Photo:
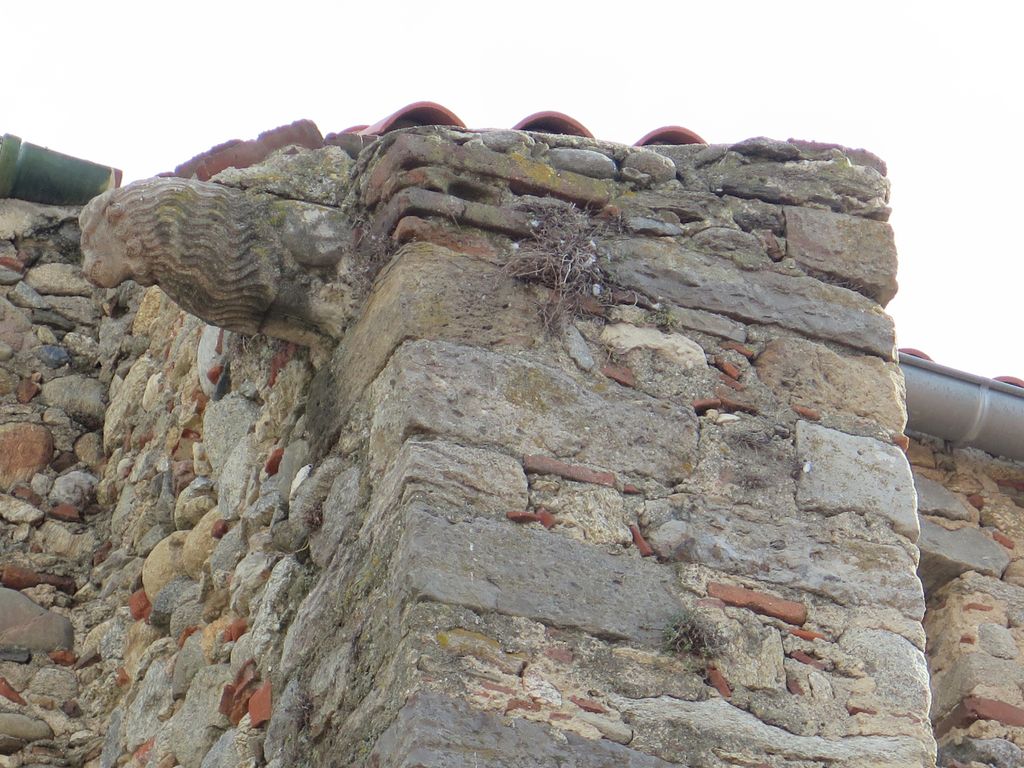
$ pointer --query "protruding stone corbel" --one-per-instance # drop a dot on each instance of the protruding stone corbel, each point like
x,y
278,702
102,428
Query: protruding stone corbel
x,y
247,262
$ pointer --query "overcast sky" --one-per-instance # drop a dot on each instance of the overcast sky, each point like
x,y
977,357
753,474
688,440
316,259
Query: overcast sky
x,y
933,88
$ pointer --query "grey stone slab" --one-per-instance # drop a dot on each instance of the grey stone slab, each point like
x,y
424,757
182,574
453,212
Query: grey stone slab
x,y
669,271
584,161
696,732
1010,595
442,732
836,184
996,753
946,554
842,472
934,499
835,558
854,251
481,398
225,423
517,571
24,624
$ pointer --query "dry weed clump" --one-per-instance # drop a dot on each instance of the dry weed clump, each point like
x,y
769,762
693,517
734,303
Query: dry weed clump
x,y
562,257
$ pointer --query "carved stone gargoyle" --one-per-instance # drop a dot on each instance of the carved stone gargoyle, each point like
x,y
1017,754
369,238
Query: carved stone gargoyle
x,y
243,261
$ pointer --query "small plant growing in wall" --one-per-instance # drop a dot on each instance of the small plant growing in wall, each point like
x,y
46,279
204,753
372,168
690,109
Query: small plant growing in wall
x,y
692,634
561,256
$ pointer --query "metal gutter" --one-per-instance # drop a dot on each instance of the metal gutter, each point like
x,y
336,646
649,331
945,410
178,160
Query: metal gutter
x,y
965,409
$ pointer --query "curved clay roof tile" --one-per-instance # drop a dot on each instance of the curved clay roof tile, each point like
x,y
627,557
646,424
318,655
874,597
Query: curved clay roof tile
x,y
553,122
670,134
417,113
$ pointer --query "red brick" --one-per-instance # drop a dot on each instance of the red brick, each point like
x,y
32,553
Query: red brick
x,y
977,607
26,494
234,699
9,693
563,655
967,639
732,384
620,373
588,705
808,413
260,704
729,369
121,677
63,657
717,679
977,500
747,352
629,488
141,755
234,630
242,154
769,605
281,358
102,552
793,686
545,465
731,405
531,706
640,542
220,528
855,710
805,658
975,708
139,605
27,389
806,634
213,374
496,687
467,241
902,442
15,577
66,513
1003,539
274,462
542,516
705,405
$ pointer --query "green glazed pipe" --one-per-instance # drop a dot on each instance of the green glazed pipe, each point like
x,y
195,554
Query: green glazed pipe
x,y
41,175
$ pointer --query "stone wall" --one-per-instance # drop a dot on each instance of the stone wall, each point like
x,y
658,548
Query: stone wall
x,y
971,544
604,470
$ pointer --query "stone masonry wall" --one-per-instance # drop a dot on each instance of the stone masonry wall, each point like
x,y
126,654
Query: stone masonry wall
x,y
971,544
605,471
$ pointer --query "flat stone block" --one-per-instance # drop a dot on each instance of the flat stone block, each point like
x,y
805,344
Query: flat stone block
x,y
436,730
493,566
851,250
477,397
842,472
946,554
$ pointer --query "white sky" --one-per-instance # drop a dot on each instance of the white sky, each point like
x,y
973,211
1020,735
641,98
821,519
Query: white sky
x,y
933,88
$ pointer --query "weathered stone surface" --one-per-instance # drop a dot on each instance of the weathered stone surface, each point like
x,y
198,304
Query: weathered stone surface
x,y
58,280
579,586
852,251
18,726
934,499
834,184
81,397
314,175
25,624
120,416
841,473
623,337
995,753
24,450
946,554
477,397
659,167
151,705
197,725
584,161
163,563
805,373
694,280
436,730
766,149
996,640
839,558
75,488
427,292
16,511
898,669
696,732
225,423
199,544
974,673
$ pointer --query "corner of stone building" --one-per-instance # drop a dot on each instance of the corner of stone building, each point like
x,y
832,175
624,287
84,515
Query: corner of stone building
x,y
492,516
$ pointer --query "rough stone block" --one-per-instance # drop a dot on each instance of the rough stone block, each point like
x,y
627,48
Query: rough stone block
x,y
490,566
946,554
432,729
666,270
934,499
24,450
809,374
27,625
975,674
842,473
853,251
477,397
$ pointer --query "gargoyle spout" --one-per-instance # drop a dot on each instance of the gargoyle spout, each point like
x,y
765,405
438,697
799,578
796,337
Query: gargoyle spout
x,y
250,263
